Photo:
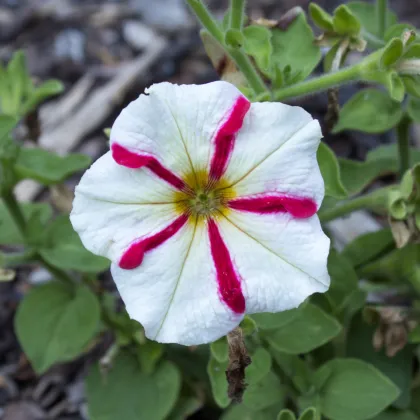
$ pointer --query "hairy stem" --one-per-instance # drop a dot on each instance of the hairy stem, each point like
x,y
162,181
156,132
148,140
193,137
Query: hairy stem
x,y
377,200
237,8
247,69
319,84
403,136
381,9
206,19
239,57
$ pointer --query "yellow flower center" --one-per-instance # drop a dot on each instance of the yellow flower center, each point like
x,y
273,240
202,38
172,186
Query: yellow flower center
x,y
203,198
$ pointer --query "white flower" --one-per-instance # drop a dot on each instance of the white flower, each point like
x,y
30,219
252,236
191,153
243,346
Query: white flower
x,y
206,207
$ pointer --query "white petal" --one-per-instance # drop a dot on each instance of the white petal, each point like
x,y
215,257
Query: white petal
x,y
114,205
175,124
275,151
281,260
174,293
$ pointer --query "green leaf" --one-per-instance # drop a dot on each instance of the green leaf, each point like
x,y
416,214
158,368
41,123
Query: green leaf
x,y
309,414
9,233
397,205
286,415
413,109
370,111
366,13
390,79
35,229
321,18
55,322
398,368
397,31
368,247
396,87
330,171
390,152
412,52
47,167
392,53
7,124
295,47
260,366
248,325
185,407
310,329
19,82
344,281
41,93
396,266
412,85
295,368
242,412
219,386
356,176
219,349
258,45
355,390
148,355
264,393
272,321
66,251
234,38
345,22
127,393
396,415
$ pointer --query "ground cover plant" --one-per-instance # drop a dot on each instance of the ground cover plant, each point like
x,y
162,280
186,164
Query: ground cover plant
x,y
346,353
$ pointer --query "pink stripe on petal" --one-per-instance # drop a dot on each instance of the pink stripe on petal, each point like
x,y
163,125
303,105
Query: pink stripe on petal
x,y
133,256
225,137
133,160
298,207
228,281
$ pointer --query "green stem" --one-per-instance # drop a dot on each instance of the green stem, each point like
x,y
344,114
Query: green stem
x,y
56,272
247,69
237,8
319,84
15,211
377,200
206,19
381,11
240,58
403,137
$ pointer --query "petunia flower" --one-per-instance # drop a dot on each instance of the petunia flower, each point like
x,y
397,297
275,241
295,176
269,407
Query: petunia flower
x,y
206,206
